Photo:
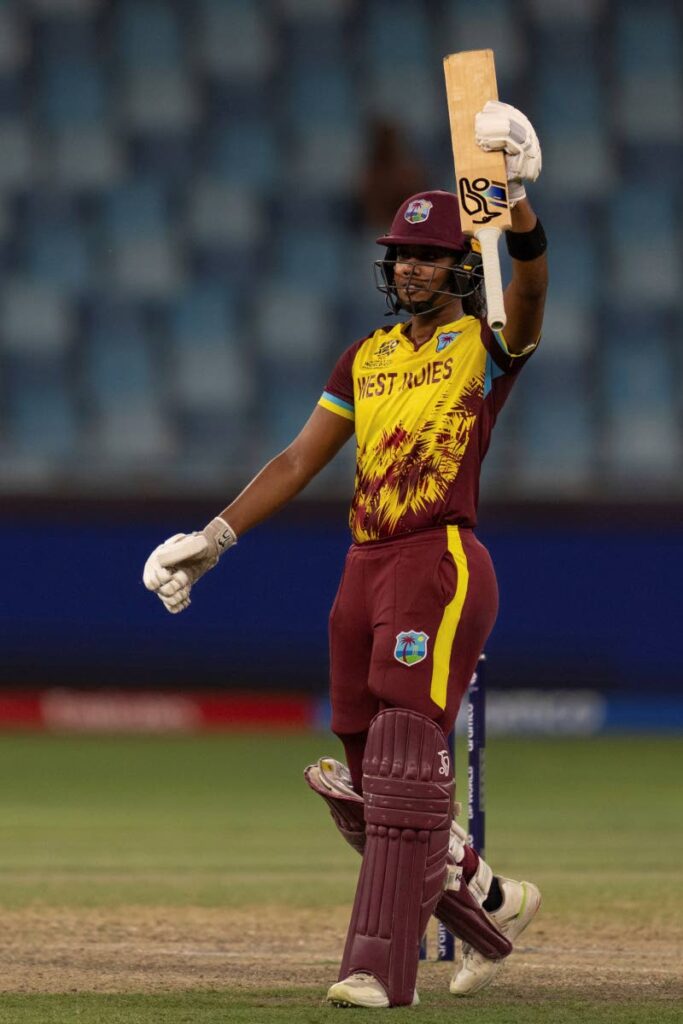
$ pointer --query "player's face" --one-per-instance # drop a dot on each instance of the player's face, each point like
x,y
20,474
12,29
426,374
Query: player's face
x,y
420,273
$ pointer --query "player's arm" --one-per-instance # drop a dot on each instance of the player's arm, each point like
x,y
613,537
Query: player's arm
x,y
289,472
173,567
525,295
502,127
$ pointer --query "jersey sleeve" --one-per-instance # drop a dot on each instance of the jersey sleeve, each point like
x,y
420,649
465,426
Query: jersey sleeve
x,y
502,367
504,360
338,394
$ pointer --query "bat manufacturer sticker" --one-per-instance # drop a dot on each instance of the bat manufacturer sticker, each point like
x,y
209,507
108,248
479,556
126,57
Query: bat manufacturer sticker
x,y
482,199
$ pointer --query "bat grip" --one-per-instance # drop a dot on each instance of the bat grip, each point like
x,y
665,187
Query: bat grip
x,y
488,240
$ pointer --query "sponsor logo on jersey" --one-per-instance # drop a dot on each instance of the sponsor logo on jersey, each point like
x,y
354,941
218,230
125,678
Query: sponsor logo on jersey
x,y
381,356
411,647
387,347
417,211
445,339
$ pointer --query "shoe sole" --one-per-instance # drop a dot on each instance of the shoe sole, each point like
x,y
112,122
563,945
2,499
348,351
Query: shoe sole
x,y
345,1004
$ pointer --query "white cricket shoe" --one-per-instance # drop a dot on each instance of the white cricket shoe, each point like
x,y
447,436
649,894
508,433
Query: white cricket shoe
x,y
361,989
521,900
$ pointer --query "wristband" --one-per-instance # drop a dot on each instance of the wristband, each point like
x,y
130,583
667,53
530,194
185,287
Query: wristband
x,y
527,245
223,534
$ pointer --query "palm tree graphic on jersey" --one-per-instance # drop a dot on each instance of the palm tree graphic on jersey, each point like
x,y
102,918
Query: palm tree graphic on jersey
x,y
407,471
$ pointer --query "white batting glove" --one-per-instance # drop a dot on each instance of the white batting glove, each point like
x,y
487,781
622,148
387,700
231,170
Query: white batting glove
x,y
173,567
500,126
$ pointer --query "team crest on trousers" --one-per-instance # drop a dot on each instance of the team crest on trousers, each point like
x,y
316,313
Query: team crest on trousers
x,y
411,647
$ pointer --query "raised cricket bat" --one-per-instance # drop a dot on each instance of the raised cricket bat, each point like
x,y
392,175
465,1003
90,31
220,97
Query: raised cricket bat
x,y
481,179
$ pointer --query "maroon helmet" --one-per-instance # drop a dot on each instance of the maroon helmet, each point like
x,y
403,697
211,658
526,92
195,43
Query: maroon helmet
x,y
428,218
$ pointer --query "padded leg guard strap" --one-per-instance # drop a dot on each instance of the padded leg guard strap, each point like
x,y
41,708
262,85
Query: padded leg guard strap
x,y
408,787
462,915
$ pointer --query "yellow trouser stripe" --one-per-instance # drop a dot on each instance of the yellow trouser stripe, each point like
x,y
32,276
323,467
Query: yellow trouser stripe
x,y
445,636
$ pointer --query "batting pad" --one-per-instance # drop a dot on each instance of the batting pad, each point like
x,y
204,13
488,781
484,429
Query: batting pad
x,y
408,789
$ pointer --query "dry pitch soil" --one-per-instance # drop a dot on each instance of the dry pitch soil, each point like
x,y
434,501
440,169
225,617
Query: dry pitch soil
x,y
145,950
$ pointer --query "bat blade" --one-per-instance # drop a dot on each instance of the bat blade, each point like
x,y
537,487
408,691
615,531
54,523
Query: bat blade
x,y
480,177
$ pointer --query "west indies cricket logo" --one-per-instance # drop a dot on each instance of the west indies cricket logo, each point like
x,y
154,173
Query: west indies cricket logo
x,y
483,199
411,647
417,211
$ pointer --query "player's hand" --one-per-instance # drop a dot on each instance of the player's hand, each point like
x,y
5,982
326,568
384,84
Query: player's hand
x,y
500,126
173,567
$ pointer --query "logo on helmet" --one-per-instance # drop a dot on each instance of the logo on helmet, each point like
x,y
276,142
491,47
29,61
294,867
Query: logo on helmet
x,y
418,211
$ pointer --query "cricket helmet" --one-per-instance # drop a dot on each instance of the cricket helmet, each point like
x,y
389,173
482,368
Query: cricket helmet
x,y
428,218
431,219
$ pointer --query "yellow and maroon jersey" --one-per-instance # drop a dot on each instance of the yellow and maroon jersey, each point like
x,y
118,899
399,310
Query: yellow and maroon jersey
x,y
423,420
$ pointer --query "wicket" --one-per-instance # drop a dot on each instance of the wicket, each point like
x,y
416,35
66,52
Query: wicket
x,y
476,811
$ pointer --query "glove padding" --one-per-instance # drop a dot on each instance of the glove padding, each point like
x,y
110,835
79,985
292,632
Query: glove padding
x,y
500,126
173,567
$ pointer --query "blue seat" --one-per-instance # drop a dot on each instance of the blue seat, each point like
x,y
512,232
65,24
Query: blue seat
x,y
286,409
16,145
160,101
555,436
11,95
235,39
651,270
639,372
226,216
301,336
423,117
35,318
70,93
647,38
567,100
148,34
118,363
319,94
204,312
57,252
396,32
245,154
41,414
637,363
648,87
311,260
324,163
64,39
168,160
87,159
135,209
487,24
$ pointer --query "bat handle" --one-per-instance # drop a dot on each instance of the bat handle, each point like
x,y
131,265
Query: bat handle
x,y
488,240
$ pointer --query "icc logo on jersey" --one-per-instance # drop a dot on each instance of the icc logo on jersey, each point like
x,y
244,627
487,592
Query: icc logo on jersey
x,y
411,647
417,211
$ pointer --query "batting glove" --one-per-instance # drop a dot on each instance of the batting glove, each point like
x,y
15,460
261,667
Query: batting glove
x,y
500,126
176,565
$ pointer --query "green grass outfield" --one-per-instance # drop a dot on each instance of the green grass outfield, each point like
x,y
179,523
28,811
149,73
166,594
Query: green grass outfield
x,y
106,824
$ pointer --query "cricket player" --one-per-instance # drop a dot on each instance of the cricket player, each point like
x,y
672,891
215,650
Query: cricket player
x,y
418,595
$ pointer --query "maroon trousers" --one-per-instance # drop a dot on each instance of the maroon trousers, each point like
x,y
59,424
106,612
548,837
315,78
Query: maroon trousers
x,y
411,617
